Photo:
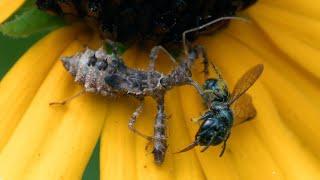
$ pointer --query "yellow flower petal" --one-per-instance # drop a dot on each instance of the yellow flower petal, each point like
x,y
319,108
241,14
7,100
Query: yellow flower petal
x,y
117,147
44,143
289,41
21,83
308,8
8,7
280,143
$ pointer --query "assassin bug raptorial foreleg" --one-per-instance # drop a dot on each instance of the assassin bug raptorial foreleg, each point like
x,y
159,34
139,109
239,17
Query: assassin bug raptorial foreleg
x,y
154,55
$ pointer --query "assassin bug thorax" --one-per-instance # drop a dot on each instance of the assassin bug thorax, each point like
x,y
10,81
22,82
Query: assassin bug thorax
x,y
107,74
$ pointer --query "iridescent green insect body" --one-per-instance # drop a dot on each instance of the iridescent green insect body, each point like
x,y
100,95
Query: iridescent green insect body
x,y
218,120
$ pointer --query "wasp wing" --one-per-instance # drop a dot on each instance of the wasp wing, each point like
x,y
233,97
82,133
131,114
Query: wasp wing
x,y
245,82
243,109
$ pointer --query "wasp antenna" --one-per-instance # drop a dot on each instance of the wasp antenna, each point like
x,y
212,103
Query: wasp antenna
x,y
205,148
189,147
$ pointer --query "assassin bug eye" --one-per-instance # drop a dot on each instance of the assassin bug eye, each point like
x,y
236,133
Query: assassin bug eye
x,y
92,61
102,65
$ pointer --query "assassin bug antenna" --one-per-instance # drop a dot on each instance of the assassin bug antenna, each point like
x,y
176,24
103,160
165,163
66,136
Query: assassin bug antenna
x,y
184,34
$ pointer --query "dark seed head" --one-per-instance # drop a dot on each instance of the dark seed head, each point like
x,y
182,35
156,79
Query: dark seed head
x,y
50,6
162,21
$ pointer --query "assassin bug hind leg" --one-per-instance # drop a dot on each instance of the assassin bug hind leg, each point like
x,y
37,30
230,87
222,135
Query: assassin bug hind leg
x,y
160,139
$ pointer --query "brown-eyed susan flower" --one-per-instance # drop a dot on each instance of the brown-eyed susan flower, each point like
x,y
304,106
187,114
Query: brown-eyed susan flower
x,y
42,142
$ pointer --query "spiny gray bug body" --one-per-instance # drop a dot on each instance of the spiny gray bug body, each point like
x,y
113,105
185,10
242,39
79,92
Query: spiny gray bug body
x,y
107,75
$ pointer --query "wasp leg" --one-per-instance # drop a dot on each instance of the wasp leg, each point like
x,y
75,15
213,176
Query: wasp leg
x,y
224,146
63,102
208,145
133,120
160,138
154,55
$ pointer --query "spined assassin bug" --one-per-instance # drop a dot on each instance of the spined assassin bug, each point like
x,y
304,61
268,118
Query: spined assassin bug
x,y
106,74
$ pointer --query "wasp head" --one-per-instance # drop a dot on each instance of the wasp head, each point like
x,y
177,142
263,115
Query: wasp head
x,y
215,90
